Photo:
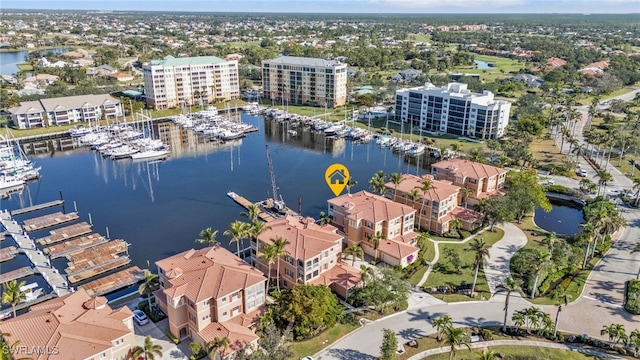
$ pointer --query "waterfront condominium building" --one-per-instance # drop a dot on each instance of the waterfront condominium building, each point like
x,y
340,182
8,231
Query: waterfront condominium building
x,y
176,82
305,81
453,109
481,180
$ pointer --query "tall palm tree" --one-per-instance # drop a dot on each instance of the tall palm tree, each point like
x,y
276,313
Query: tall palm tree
x,y
441,324
269,255
12,295
455,225
464,195
258,228
414,195
588,233
396,179
539,261
377,182
324,218
279,245
616,332
425,187
238,230
604,177
375,241
634,337
149,285
354,250
455,337
561,298
207,236
214,346
148,351
508,286
481,250
252,212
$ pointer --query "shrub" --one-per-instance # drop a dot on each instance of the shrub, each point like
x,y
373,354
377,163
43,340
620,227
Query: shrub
x,y
173,338
486,334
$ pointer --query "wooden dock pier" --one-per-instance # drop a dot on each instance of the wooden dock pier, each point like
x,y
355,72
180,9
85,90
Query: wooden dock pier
x,y
16,274
242,201
65,233
7,254
92,268
114,281
93,252
75,245
49,220
33,208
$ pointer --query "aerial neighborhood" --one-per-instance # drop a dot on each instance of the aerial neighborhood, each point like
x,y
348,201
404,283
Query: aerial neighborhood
x,y
480,197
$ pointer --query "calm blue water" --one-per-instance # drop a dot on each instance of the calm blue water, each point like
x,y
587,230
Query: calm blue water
x,y
484,65
9,60
161,208
562,219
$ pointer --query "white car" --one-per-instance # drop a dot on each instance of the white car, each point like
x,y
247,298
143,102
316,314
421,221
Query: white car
x,y
140,317
582,173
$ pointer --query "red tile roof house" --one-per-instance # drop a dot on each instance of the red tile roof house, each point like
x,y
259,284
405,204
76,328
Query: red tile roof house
x,y
363,215
211,293
483,180
313,255
74,326
437,207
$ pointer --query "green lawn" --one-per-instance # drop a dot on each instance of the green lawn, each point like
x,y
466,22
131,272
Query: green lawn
x,y
444,274
503,66
519,352
312,346
420,37
25,67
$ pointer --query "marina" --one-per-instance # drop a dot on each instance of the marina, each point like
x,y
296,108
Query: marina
x,y
49,220
110,283
77,272
75,245
65,233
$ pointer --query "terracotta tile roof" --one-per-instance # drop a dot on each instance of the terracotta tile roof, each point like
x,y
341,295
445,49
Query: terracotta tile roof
x,y
554,62
440,189
78,331
466,215
237,334
364,205
396,248
469,169
209,272
251,318
307,239
342,274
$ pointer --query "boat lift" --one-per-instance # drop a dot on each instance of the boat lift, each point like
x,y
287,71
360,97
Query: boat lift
x,y
278,204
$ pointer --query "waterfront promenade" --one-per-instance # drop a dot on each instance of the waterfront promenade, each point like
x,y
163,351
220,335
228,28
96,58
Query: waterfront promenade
x,y
41,263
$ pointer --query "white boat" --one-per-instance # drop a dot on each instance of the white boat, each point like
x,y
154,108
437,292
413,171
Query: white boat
x,y
232,195
32,292
150,154
292,132
79,131
416,150
333,129
231,135
7,182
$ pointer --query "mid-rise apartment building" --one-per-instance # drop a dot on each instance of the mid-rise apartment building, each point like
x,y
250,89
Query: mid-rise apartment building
x,y
437,206
65,110
74,326
177,82
313,255
483,180
305,81
453,109
211,293
363,216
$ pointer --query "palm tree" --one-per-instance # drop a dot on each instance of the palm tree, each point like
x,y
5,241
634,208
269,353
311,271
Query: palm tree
x,y
354,250
588,232
603,178
414,195
148,351
207,236
510,285
464,194
518,320
12,294
634,337
636,187
441,324
377,182
149,285
550,240
615,332
252,212
214,345
367,272
455,225
481,250
269,255
238,230
561,299
279,245
396,179
324,218
539,261
350,183
455,337
375,241
425,186
635,250
488,355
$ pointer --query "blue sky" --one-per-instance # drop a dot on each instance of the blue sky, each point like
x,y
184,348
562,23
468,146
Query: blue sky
x,y
340,6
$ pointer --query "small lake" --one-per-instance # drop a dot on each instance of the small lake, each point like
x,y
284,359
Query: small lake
x,y
9,60
563,219
484,65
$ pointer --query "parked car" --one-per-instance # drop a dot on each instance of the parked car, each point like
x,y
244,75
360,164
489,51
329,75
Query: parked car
x,y
582,173
140,317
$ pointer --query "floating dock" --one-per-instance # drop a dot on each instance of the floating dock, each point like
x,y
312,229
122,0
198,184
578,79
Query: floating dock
x,y
114,281
7,254
65,233
16,274
111,247
242,201
75,245
49,220
33,208
87,269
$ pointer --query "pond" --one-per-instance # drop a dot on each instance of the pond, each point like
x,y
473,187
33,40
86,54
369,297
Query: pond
x,y
484,65
564,218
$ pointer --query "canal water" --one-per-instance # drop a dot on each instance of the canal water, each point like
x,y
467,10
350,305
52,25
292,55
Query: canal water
x,y
563,219
9,60
160,208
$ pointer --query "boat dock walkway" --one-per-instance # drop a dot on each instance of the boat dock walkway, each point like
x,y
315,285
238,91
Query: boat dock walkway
x,y
113,282
16,274
41,264
7,254
33,208
65,233
242,201
49,220
74,246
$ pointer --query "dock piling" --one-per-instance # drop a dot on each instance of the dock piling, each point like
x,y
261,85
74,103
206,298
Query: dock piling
x,y
75,206
62,199
91,220
108,237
